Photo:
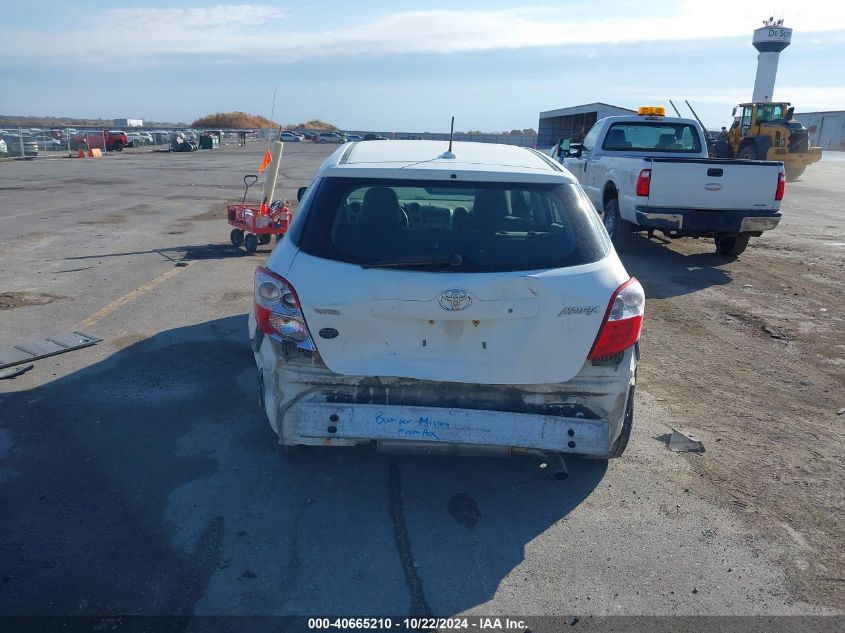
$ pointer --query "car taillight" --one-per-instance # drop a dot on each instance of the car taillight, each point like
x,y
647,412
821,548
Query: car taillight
x,y
781,186
644,182
277,310
622,321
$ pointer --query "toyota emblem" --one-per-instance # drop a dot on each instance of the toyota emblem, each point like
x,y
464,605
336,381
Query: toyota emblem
x,y
454,300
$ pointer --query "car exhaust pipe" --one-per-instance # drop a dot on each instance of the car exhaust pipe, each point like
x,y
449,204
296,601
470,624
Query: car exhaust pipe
x,y
548,459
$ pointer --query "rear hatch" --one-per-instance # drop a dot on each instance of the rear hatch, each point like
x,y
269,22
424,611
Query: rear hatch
x,y
713,184
477,283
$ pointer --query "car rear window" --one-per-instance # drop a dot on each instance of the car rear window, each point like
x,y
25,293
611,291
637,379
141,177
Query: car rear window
x,y
652,136
492,226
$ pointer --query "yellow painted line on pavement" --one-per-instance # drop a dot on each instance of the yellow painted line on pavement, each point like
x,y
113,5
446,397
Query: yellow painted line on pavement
x,y
129,296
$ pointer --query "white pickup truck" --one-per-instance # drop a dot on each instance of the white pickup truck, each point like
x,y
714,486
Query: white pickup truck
x,y
649,172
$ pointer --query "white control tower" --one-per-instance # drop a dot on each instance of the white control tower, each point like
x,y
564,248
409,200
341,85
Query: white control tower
x,y
769,40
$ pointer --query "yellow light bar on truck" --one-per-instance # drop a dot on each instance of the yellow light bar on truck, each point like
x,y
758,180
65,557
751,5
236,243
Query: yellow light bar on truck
x,y
652,110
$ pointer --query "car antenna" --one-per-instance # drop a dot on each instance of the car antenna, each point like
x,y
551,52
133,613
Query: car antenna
x,y
448,153
675,109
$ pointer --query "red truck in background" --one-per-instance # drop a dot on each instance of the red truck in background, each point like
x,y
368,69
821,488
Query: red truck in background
x,y
110,140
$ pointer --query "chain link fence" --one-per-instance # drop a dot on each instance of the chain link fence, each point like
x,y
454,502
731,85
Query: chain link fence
x,y
26,143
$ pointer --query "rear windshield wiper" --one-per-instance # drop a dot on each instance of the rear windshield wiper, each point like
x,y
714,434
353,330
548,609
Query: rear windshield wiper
x,y
445,259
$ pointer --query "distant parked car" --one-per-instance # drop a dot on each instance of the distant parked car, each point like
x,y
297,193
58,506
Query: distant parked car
x,y
374,137
353,138
135,140
14,143
48,142
290,137
112,140
330,137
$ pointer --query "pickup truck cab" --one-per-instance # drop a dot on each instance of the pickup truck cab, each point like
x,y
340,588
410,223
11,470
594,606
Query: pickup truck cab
x,y
649,172
110,140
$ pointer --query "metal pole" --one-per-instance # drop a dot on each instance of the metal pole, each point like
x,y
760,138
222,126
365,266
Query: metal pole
x,y
675,109
696,116
272,114
276,148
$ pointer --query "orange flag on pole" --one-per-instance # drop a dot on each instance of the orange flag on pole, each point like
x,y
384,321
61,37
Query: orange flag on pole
x,y
266,161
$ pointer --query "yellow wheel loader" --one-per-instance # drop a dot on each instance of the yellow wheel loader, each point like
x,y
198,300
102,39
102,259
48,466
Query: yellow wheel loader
x,y
767,131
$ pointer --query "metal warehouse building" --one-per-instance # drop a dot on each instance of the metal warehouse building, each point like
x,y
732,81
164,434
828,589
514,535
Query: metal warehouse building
x,y
573,122
827,129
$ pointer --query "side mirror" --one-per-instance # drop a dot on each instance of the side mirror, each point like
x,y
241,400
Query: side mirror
x,y
789,112
299,193
575,150
733,113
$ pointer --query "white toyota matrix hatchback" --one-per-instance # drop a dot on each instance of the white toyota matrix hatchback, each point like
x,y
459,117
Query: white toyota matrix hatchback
x,y
465,302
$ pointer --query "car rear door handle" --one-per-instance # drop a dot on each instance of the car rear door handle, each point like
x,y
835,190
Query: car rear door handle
x,y
715,173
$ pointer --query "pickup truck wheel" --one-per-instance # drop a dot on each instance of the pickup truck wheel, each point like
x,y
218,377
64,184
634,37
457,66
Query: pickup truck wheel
x,y
731,244
621,442
118,146
618,229
748,153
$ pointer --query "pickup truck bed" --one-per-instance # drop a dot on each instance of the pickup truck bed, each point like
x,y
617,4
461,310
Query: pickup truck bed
x,y
652,173
702,196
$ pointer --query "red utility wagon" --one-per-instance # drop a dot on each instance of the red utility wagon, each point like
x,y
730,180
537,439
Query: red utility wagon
x,y
257,224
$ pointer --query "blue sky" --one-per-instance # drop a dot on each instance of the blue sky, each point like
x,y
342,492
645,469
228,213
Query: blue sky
x,y
404,66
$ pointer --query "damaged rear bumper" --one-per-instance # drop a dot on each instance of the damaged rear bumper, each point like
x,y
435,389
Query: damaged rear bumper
x,y
470,427
307,403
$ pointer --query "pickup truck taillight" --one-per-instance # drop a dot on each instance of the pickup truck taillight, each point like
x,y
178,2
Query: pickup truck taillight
x,y
644,182
278,311
781,186
623,321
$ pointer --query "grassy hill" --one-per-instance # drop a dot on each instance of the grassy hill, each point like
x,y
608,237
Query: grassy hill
x,y
242,120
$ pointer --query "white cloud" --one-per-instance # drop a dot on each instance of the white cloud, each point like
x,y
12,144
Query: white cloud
x,y
231,32
227,16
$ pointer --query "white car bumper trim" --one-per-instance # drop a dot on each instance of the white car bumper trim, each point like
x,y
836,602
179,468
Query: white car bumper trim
x,y
452,426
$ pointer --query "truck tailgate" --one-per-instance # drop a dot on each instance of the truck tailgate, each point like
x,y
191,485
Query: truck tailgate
x,y
713,184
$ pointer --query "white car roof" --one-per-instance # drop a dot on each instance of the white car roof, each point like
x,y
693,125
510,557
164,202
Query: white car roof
x,y
424,159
